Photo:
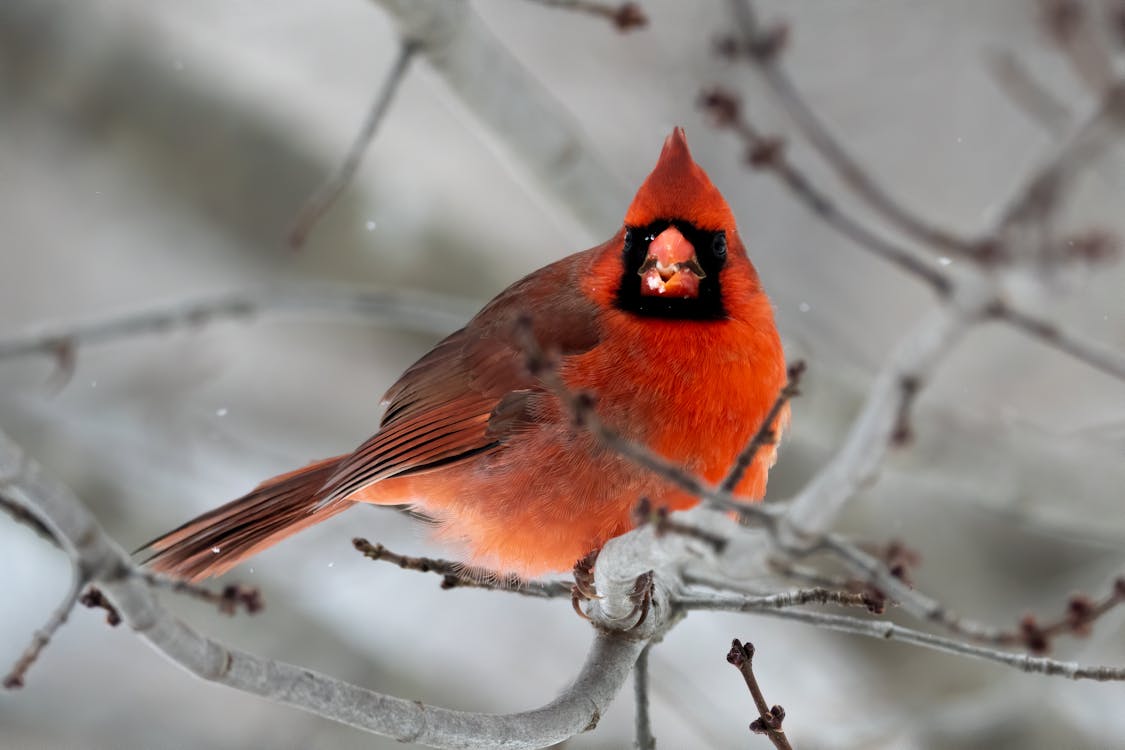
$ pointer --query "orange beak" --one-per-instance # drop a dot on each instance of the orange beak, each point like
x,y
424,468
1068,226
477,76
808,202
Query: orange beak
x,y
670,268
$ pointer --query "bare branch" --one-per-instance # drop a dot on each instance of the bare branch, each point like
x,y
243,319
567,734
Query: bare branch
x,y
15,677
891,632
878,574
456,575
228,600
769,720
763,50
1038,199
766,434
799,597
581,407
320,201
644,740
625,17
95,599
1108,360
768,153
415,311
523,116
663,523
576,710
21,515
1071,26
1027,93
814,510
1115,16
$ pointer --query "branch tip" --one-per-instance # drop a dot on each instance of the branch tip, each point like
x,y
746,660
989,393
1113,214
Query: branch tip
x,y
94,598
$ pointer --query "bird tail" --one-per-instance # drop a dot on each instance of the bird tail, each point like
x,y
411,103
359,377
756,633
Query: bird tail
x,y
218,540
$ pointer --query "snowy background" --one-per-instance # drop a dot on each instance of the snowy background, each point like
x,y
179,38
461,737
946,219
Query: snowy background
x,y
154,151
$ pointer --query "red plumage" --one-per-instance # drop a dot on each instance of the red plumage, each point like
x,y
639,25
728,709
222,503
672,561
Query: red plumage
x,y
471,439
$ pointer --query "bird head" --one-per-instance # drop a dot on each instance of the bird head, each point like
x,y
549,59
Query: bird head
x,y
678,242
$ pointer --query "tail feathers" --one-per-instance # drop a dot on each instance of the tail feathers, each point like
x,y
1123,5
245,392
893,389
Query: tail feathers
x,y
218,540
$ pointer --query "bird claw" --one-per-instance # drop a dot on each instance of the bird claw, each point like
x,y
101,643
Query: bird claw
x,y
641,596
576,599
584,576
584,589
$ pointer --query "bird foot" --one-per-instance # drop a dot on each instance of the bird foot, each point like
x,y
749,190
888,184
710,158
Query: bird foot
x,y
584,589
641,596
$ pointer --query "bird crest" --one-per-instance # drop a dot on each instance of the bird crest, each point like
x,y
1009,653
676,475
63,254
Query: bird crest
x,y
678,188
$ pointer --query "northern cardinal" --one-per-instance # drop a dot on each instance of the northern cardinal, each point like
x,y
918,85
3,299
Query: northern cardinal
x,y
666,325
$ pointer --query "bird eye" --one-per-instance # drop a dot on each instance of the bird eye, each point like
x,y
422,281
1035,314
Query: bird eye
x,y
719,245
628,245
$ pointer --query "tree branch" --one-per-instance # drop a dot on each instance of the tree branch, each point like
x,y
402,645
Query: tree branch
x,y
576,710
798,598
769,720
767,434
768,153
319,202
456,575
891,632
15,677
1097,355
625,17
1027,93
524,118
763,47
415,311
816,507
1075,32
644,740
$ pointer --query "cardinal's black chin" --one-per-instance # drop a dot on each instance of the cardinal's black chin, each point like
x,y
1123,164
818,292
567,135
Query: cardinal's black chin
x,y
688,291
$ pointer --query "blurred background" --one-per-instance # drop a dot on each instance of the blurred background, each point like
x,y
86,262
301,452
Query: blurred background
x,y
152,152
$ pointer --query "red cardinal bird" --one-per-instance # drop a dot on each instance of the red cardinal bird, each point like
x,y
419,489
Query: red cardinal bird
x,y
666,324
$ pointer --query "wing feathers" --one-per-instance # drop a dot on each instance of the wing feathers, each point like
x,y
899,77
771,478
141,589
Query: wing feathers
x,y
455,402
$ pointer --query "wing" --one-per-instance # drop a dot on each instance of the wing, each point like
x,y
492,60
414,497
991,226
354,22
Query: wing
x,y
472,390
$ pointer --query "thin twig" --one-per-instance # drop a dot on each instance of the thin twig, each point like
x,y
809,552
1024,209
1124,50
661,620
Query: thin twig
x,y
522,114
663,523
1077,619
95,599
818,504
769,721
581,407
1108,360
645,739
1115,17
1038,199
320,201
891,632
15,677
766,434
763,51
768,153
457,575
1071,26
877,574
625,17
21,515
1025,91
808,575
228,600
802,597
411,310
